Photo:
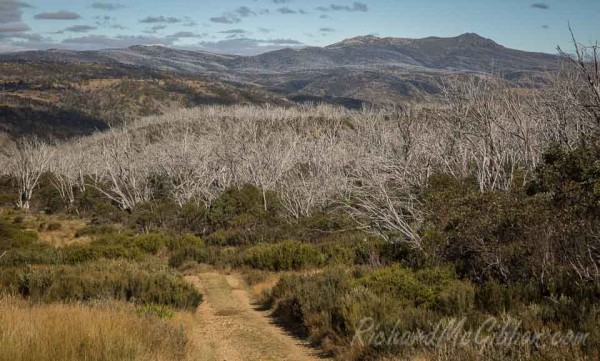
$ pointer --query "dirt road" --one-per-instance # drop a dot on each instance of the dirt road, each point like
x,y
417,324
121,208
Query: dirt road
x,y
228,327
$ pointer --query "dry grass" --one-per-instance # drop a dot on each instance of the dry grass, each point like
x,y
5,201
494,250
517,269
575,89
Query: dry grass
x,y
78,332
56,231
65,234
259,283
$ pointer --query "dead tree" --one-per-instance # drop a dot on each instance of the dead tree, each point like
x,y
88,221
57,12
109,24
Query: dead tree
x,y
586,63
125,171
28,159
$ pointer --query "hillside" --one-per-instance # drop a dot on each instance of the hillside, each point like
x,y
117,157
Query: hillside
x,y
65,99
63,93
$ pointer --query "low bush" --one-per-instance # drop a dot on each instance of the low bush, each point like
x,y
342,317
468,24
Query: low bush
x,y
284,256
431,288
184,241
33,254
142,283
334,307
216,256
13,236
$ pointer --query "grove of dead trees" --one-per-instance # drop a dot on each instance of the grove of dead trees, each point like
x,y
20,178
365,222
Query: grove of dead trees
x,y
367,162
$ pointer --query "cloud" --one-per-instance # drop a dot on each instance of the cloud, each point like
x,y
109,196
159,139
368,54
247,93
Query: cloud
x,y
281,1
225,19
160,19
233,17
155,28
30,38
79,29
286,10
545,27
265,30
244,11
234,31
13,28
10,18
356,6
185,34
58,15
247,46
121,41
10,10
106,6
540,6
327,30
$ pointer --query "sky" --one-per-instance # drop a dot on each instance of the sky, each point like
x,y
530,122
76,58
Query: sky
x,y
250,27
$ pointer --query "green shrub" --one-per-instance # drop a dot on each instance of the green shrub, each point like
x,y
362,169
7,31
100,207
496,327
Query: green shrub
x,y
154,216
12,236
33,254
338,253
241,208
152,243
433,288
331,306
184,241
311,305
216,256
288,255
142,283
189,253
230,237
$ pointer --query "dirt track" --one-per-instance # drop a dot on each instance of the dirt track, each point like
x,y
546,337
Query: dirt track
x,y
228,327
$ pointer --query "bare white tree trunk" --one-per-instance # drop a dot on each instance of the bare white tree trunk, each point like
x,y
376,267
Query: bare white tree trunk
x,y
28,159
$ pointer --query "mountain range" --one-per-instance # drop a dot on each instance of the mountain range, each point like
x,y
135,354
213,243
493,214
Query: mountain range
x,y
467,52
366,69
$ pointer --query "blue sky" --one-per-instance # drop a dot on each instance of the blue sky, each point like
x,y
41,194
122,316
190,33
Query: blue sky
x,y
254,26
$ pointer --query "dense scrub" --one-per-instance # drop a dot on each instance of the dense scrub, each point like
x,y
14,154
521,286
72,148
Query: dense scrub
x,y
142,283
372,313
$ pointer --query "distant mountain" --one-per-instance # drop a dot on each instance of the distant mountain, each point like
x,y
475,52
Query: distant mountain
x,y
467,52
365,69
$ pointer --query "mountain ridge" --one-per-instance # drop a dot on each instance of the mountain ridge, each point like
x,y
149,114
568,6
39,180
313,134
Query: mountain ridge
x,y
353,72
469,51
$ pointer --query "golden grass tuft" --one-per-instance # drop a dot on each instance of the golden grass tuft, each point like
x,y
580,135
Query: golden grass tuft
x,y
79,332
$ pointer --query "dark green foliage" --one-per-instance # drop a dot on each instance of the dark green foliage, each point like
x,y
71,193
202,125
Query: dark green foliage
x,y
93,204
311,305
216,256
184,241
46,197
154,216
432,288
329,307
285,256
31,254
241,208
109,246
518,236
571,178
12,236
144,283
